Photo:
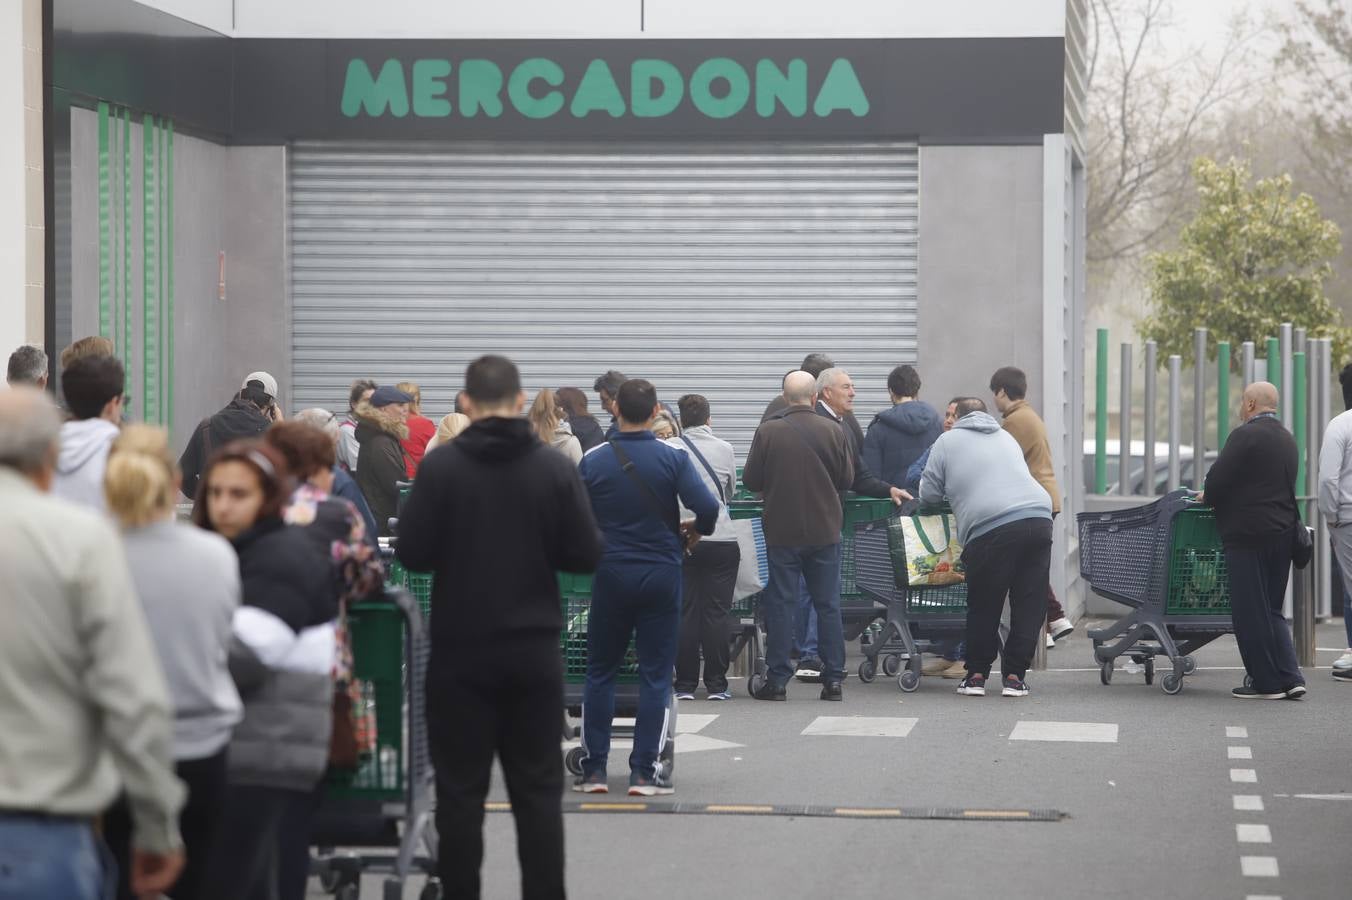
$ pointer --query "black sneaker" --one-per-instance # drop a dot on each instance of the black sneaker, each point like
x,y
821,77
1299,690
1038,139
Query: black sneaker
x,y
650,785
595,783
769,691
1295,692
809,669
1248,693
974,685
1013,686
1342,674
831,691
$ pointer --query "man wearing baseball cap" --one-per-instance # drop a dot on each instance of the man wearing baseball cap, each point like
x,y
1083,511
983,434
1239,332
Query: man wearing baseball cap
x,y
381,426
247,415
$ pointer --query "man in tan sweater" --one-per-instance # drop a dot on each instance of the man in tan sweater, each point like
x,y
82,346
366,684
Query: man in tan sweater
x,y
1010,387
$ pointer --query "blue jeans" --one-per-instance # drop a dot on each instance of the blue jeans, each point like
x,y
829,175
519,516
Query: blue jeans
x,y
819,567
643,602
50,857
805,636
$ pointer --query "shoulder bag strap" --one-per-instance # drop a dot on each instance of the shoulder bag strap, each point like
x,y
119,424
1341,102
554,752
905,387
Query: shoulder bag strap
x,y
718,485
627,466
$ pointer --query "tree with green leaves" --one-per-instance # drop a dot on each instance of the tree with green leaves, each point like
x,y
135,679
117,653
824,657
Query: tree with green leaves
x,y
1254,256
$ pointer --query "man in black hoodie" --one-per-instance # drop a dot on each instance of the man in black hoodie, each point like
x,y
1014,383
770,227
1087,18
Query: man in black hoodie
x,y
494,515
246,416
898,436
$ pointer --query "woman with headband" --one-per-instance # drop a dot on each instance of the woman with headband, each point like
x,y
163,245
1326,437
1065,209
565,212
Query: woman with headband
x,y
282,661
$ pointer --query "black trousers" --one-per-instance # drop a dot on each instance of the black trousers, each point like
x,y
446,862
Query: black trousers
x,y
504,699
708,578
205,780
1014,559
1257,592
243,865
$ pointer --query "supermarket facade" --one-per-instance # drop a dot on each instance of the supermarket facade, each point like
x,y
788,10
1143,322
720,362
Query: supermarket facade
x,y
693,192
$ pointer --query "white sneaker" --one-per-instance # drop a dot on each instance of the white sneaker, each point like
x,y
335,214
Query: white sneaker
x,y
1344,661
1059,628
1051,642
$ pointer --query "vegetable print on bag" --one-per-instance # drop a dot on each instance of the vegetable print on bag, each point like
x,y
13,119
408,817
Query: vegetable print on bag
x,y
931,560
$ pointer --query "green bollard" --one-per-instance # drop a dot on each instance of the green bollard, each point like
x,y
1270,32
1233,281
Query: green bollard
x,y
1101,415
1274,366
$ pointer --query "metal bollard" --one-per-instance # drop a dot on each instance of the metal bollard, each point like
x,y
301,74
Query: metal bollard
x,y
1040,649
1302,608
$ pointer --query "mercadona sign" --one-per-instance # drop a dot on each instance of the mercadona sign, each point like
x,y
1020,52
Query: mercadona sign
x,y
540,88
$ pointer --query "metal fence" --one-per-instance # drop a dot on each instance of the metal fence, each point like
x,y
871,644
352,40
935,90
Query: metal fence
x,y
1299,366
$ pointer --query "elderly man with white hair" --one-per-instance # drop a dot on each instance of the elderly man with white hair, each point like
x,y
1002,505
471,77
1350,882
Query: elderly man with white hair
x,y
85,707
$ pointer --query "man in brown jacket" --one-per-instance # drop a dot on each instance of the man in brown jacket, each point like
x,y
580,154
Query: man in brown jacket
x,y
1010,387
801,462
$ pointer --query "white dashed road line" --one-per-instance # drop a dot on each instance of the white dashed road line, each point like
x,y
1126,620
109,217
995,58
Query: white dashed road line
x,y
1248,803
1253,834
1244,776
1236,731
1247,833
1239,752
1259,866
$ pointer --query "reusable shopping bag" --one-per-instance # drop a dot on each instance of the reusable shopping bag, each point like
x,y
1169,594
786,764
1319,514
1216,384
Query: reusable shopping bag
x,y
933,554
749,569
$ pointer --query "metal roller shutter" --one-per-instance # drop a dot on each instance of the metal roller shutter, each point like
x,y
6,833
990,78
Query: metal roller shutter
x,y
707,269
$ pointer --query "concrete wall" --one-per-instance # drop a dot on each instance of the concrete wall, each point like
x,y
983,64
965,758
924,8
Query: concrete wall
x,y
980,268
226,199
22,235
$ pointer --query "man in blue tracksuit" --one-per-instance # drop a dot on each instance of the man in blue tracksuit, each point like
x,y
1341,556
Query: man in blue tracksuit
x,y
635,481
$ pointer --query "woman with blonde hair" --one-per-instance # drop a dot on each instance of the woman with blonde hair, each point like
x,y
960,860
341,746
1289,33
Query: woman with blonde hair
x,y
664,426
420,429
189,586
549,424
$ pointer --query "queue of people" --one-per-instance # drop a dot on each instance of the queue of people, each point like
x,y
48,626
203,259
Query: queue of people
x,y
221,649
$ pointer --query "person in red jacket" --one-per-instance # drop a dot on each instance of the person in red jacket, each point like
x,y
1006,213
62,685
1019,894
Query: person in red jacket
x,y
420,429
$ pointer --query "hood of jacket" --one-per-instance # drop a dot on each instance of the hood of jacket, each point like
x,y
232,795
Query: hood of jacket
x,y
371,423
977,421
497,439
912,417
83,440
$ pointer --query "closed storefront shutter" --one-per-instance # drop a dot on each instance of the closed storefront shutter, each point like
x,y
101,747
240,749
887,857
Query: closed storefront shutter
x,y
706,269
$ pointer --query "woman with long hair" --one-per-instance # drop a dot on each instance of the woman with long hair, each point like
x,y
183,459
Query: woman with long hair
x,y
548,421
420,429
188,584
282,660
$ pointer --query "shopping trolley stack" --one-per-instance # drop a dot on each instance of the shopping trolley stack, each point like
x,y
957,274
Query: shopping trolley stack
x,y
1165,561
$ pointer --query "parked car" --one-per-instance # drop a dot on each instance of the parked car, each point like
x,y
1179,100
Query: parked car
x,y
1137,478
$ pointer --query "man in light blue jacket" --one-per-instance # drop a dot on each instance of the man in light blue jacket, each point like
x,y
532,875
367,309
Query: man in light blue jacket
x,y
1004,522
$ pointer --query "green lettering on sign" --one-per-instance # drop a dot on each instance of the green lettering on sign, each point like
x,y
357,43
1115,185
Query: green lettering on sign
x,y
642,74
361,92
518,88
429,87
597,90
790,89
480,87
701,83
841,90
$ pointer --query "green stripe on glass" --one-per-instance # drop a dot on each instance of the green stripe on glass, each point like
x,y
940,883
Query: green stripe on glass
x,y
169,281
105,281
150,412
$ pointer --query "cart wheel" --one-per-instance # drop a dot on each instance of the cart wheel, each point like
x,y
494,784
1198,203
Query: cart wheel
x,y
1106,672
393,890
891,665
348,892
430,891
868,670
753,684
1189,665
1171,683
908,681
572,760
1149,671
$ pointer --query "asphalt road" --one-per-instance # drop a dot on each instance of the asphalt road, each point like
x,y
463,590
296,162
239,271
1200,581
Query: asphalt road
x,y
1136,798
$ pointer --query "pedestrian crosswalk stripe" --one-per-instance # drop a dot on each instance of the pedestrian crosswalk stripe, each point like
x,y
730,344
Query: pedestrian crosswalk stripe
x,y
860,726
1080,732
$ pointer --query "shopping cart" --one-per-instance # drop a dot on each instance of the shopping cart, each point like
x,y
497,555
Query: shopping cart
x,y
1166,562
920,618
387,801
575,594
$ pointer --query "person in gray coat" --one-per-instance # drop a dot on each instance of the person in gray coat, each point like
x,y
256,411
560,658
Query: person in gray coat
x,y
187,580
281,657
1004,522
